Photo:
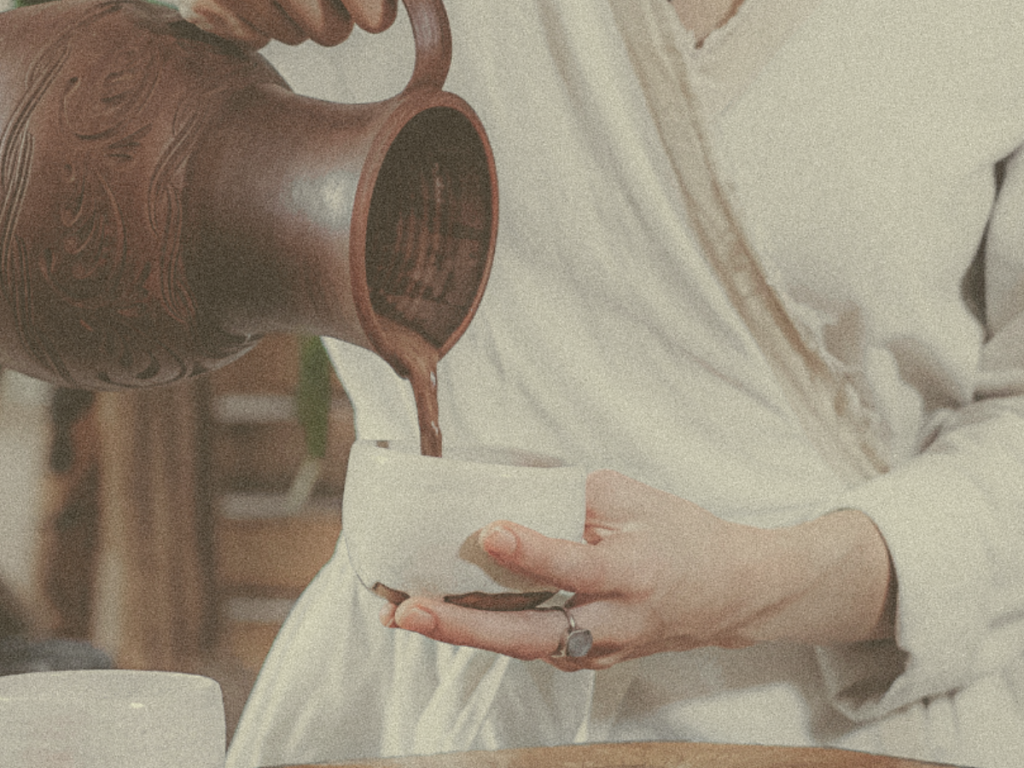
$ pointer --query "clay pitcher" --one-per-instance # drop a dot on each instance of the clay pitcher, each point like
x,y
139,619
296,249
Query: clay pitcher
x,y
165,199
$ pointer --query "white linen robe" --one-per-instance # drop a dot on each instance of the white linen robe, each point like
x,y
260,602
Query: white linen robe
x,y
858,142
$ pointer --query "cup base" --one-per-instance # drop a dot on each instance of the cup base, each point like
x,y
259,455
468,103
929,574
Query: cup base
x,y
481,601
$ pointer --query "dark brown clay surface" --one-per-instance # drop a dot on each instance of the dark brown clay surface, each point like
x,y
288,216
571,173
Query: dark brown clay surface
x,y
165,199
101,104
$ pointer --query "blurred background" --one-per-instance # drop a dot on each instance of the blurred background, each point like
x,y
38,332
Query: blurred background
x,y
171,528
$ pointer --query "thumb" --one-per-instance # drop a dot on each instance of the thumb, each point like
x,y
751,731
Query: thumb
x,y
372,15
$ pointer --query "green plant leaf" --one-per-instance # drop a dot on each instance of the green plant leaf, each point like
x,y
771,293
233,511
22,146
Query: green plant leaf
x,y
313,395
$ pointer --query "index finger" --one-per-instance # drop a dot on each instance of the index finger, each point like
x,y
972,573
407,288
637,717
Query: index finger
x,y
592,569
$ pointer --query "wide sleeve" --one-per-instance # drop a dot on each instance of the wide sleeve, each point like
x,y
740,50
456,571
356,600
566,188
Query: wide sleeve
x,y
953,516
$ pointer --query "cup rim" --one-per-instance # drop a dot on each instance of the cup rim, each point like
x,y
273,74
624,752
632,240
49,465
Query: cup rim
x,y
51,684
407,449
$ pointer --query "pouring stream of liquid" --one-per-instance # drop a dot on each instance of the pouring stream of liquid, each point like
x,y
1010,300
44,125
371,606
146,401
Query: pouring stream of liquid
x,y
417,360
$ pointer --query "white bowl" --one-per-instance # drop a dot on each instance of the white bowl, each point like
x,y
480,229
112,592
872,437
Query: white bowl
x,y
111,719
410,523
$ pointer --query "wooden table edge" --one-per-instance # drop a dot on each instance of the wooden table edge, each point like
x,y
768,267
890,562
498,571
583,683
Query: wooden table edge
x,y
644,755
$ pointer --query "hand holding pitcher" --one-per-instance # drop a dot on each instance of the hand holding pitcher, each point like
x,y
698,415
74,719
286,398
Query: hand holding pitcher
x,y
327,22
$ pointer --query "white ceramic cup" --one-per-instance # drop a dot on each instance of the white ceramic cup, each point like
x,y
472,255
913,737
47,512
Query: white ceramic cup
x,y
410,522
111,719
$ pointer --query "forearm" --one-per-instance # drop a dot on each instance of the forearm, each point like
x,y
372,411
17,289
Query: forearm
x,y
825,582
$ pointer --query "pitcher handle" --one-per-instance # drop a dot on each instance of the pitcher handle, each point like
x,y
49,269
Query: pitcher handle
x,y
432,36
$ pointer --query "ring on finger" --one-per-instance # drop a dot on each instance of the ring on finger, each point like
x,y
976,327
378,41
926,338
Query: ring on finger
x,y
575,643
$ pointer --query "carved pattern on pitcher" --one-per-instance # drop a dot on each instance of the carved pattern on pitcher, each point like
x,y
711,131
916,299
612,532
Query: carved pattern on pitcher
x,y
92,269
16,154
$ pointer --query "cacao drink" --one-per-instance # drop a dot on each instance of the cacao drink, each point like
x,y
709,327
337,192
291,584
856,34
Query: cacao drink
x,y
416,360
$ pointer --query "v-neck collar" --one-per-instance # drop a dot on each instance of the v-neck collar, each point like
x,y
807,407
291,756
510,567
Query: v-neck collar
x,y
732,56
822,397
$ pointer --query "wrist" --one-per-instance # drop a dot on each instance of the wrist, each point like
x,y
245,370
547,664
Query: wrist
x,y
828,581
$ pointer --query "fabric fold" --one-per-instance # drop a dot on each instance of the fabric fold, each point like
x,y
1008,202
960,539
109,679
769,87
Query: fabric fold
x,y
822,399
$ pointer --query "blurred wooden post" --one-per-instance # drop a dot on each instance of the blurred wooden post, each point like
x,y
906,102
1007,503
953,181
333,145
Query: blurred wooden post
x,y
153,595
